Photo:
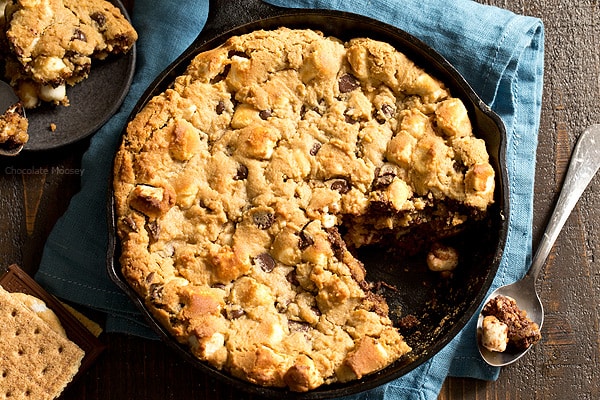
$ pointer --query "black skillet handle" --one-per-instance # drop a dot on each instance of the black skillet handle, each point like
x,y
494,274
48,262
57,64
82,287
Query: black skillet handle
x,y
224,15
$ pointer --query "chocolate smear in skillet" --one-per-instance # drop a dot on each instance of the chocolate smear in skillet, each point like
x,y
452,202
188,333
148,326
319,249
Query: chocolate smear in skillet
x,y
257,214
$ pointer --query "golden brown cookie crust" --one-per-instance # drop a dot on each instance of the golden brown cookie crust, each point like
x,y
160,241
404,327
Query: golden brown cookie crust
x,y
231,186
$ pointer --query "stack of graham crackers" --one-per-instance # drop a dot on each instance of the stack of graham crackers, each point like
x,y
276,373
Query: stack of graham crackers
x,y
37,360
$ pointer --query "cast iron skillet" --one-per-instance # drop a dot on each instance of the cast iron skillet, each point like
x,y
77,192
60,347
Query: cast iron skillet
x,y
443,306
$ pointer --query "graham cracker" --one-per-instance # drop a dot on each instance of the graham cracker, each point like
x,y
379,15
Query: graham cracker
x,y
36,362
39,307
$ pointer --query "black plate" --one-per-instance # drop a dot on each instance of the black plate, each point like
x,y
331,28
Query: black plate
x,y
7,101
93,101
444,306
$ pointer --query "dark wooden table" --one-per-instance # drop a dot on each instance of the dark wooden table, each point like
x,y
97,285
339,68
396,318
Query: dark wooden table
x,y
564,365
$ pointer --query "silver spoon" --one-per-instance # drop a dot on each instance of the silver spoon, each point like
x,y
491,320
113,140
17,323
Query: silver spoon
x,y
8,98
584,163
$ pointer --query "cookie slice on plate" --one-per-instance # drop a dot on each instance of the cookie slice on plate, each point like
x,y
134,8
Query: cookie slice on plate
x,y
52,44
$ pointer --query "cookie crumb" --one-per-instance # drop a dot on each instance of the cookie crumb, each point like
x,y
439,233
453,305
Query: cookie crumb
x,y
522,331
13,127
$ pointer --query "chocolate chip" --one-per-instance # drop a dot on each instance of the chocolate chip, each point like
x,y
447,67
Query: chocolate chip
x,y
220,107
382,181
218,286
340,185
19,109
348,83
349,118
337,243
84,69
229,149
264,114
209,207
242,173
292,278
150,277
305,240
155,291
175,321
265,261
303,110
384,176
237,53
263,219
79,35
316,311
459,166
379,203
321,107
315,149
153,230
222,75
385,113
123,40
130,223
387,110
99,18
298,326
359,150
235,313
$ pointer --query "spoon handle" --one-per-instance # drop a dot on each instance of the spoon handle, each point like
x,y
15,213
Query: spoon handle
x,y
584,163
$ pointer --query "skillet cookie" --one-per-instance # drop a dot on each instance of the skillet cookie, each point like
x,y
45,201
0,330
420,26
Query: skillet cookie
x,y
242,190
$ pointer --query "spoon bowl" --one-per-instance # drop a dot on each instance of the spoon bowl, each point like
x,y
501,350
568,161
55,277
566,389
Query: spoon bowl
x,y
584,163
525,295
8,98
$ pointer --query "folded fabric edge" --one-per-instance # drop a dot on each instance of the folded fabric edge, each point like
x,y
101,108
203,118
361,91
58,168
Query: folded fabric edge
x,y
134,325
523,153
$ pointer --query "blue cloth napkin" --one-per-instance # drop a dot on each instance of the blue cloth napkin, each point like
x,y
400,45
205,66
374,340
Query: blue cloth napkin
x,y
501,55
